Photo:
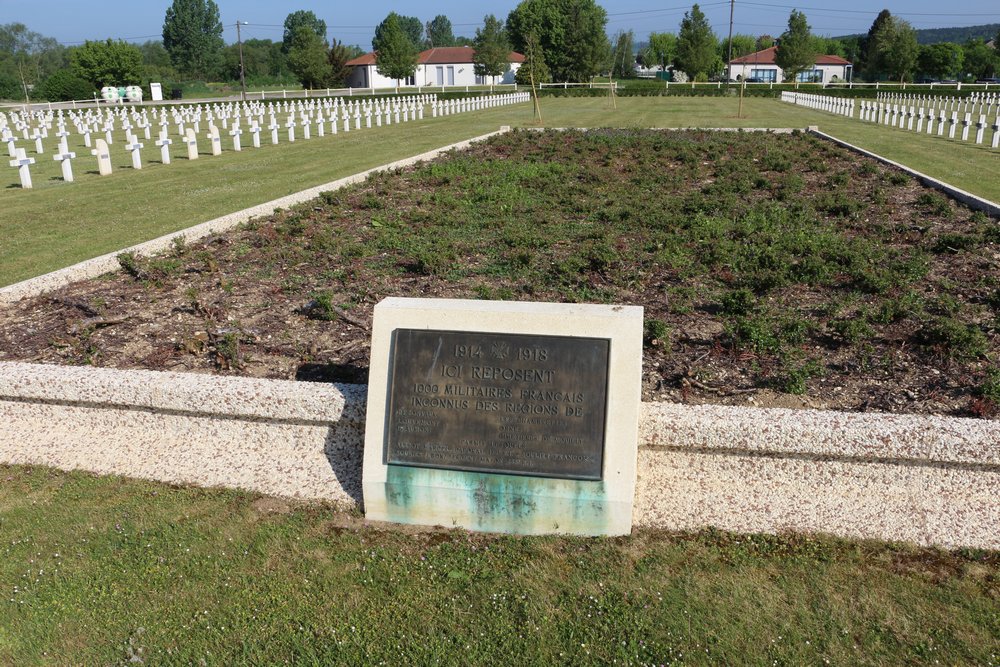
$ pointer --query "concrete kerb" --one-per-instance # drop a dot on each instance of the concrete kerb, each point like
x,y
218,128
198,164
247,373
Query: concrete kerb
x,y
974,202
92,268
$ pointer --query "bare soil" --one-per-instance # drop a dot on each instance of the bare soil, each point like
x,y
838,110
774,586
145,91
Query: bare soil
x,y
774,271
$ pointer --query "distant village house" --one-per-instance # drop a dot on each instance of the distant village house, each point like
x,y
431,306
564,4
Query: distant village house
x,y
760,67
445,66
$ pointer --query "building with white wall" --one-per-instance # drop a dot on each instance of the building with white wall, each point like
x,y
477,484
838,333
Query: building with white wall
x,y
762,67
444,66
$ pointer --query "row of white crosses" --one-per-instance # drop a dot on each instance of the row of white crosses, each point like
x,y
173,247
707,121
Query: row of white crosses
x,y
336,113
917,113
837,105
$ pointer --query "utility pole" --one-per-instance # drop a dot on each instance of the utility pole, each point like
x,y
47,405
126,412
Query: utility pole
x,y
243,78
729,58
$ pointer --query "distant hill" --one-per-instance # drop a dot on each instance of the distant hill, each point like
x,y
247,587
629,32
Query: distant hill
x,y
957,35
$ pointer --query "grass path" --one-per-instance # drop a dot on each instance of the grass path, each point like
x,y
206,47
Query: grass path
x,y
57,224
105,570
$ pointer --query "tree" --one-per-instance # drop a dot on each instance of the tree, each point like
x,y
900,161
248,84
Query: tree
x,y
337,58
795,52
28,57
395,54
742,45
192,35
570,34
696,45
622,59
533,69
492,50
108,63
439,32
897,49
307,58
980,60
869,61
941,61
661,50
299,19
65,85
411,27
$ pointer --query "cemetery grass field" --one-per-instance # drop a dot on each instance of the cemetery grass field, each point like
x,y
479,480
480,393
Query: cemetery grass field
x,y
57,224
775,270
105,570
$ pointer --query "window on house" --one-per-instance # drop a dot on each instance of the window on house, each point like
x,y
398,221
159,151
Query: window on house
x,y
810,76
764,75
439,71
451,75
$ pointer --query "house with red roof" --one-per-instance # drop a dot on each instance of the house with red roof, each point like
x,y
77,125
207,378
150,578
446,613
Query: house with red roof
x,y
761,67
443,66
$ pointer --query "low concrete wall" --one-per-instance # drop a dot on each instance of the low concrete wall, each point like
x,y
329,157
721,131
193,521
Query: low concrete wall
x,y
927,480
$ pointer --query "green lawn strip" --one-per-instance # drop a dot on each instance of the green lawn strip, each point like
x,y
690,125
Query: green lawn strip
x,y
57,224
95,570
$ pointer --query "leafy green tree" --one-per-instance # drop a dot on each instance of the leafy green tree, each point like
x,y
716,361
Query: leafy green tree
x,y
492,50
263,60
795,52
827,46
622,59
870,55
298,19
742,45
661,50
339,54
941,61
980,60
570,33
411,27
108,63
192,35
439,32
533,69
28,57
65,85
395,53
898,50
308,58
696,45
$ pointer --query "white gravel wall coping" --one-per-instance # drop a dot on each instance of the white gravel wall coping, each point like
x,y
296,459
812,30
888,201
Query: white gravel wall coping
x,y
858,436
183,393
97,266
818,434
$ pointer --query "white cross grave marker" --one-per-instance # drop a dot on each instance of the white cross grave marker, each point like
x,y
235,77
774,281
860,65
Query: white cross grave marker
x,y
164,143
255,131
213,136
22,161
235,134
65,157
290,125
133,146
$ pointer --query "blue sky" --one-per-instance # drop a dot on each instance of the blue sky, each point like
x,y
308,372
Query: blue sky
x,y
73,21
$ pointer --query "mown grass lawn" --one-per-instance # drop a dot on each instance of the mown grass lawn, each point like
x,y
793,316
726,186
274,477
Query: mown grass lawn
x,y
57,224
104,570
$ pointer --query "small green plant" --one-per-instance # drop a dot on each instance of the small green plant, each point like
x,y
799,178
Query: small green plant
x,y
322,307
953,338
227,351
796,375
898,177
951,242
852,329
655,332
131,264
934,203
990,387
739,302
178,245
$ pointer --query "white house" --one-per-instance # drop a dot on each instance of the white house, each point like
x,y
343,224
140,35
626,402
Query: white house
x,y
445,66
761,67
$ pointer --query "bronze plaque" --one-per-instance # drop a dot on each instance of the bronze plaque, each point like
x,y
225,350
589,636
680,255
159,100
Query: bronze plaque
x,y
499,403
